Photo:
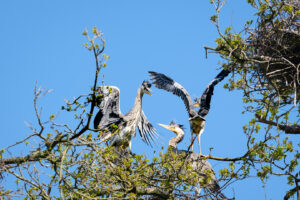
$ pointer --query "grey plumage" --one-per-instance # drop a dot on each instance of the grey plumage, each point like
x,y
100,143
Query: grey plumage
x,y
119,128
196,119
205,99
164,82
203,167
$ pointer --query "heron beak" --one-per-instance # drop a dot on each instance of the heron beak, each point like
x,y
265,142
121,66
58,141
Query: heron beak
x,y
165,126
148,91
196,105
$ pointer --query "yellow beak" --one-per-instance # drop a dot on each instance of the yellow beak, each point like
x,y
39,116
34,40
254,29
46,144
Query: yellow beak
x,y
148,92
165,126
196,105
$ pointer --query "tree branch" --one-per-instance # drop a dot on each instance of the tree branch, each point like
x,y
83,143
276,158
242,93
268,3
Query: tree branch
x,y
292,129
291,192
224,159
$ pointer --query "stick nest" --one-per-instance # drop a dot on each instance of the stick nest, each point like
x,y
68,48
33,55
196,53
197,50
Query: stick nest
x,y
275,45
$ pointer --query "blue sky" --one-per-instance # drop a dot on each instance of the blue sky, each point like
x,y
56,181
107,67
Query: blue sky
x,y
41,41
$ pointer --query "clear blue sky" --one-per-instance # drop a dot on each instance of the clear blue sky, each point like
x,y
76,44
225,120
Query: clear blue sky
x,y
41,40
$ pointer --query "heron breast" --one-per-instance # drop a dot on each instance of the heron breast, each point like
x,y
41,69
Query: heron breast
x,y
197,125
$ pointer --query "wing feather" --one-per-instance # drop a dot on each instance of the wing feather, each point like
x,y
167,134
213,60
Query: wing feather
x,y
146,130
205,98
164,82
109,108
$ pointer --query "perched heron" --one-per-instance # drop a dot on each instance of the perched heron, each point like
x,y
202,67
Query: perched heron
x,y
201,166
196,119
119,128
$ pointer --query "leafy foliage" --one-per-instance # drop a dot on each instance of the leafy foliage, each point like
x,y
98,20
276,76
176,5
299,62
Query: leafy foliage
x,y
73,163
265,60
66,162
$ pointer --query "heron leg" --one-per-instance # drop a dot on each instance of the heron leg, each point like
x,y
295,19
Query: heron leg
x,y
192,141
199,135
129,146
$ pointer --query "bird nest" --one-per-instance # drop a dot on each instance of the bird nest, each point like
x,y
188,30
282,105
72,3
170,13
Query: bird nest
x,y
275,49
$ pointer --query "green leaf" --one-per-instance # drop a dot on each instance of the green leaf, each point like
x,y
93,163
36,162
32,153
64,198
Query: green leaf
x,y
263,8
288,8
51,116
95,30
213,18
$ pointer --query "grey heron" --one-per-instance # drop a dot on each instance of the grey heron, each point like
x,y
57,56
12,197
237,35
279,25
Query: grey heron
x,y
119,128
196,119
202,166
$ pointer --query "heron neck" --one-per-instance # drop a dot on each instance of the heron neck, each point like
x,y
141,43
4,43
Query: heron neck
x,y
175,140
138,102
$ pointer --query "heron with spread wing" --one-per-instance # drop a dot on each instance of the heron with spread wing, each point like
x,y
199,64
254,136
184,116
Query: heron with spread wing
x,y
196,118
119,128
201,166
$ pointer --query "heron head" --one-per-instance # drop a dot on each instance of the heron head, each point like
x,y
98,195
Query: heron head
x,y
146,87
197,102
174,127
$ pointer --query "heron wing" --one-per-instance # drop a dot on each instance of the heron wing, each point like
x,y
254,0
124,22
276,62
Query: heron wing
x,y
146,130
164,82
109,110
205,99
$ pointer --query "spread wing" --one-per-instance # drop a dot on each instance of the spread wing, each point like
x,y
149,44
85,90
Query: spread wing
x,y
164,82
146,130
109,109
110,115
205,99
